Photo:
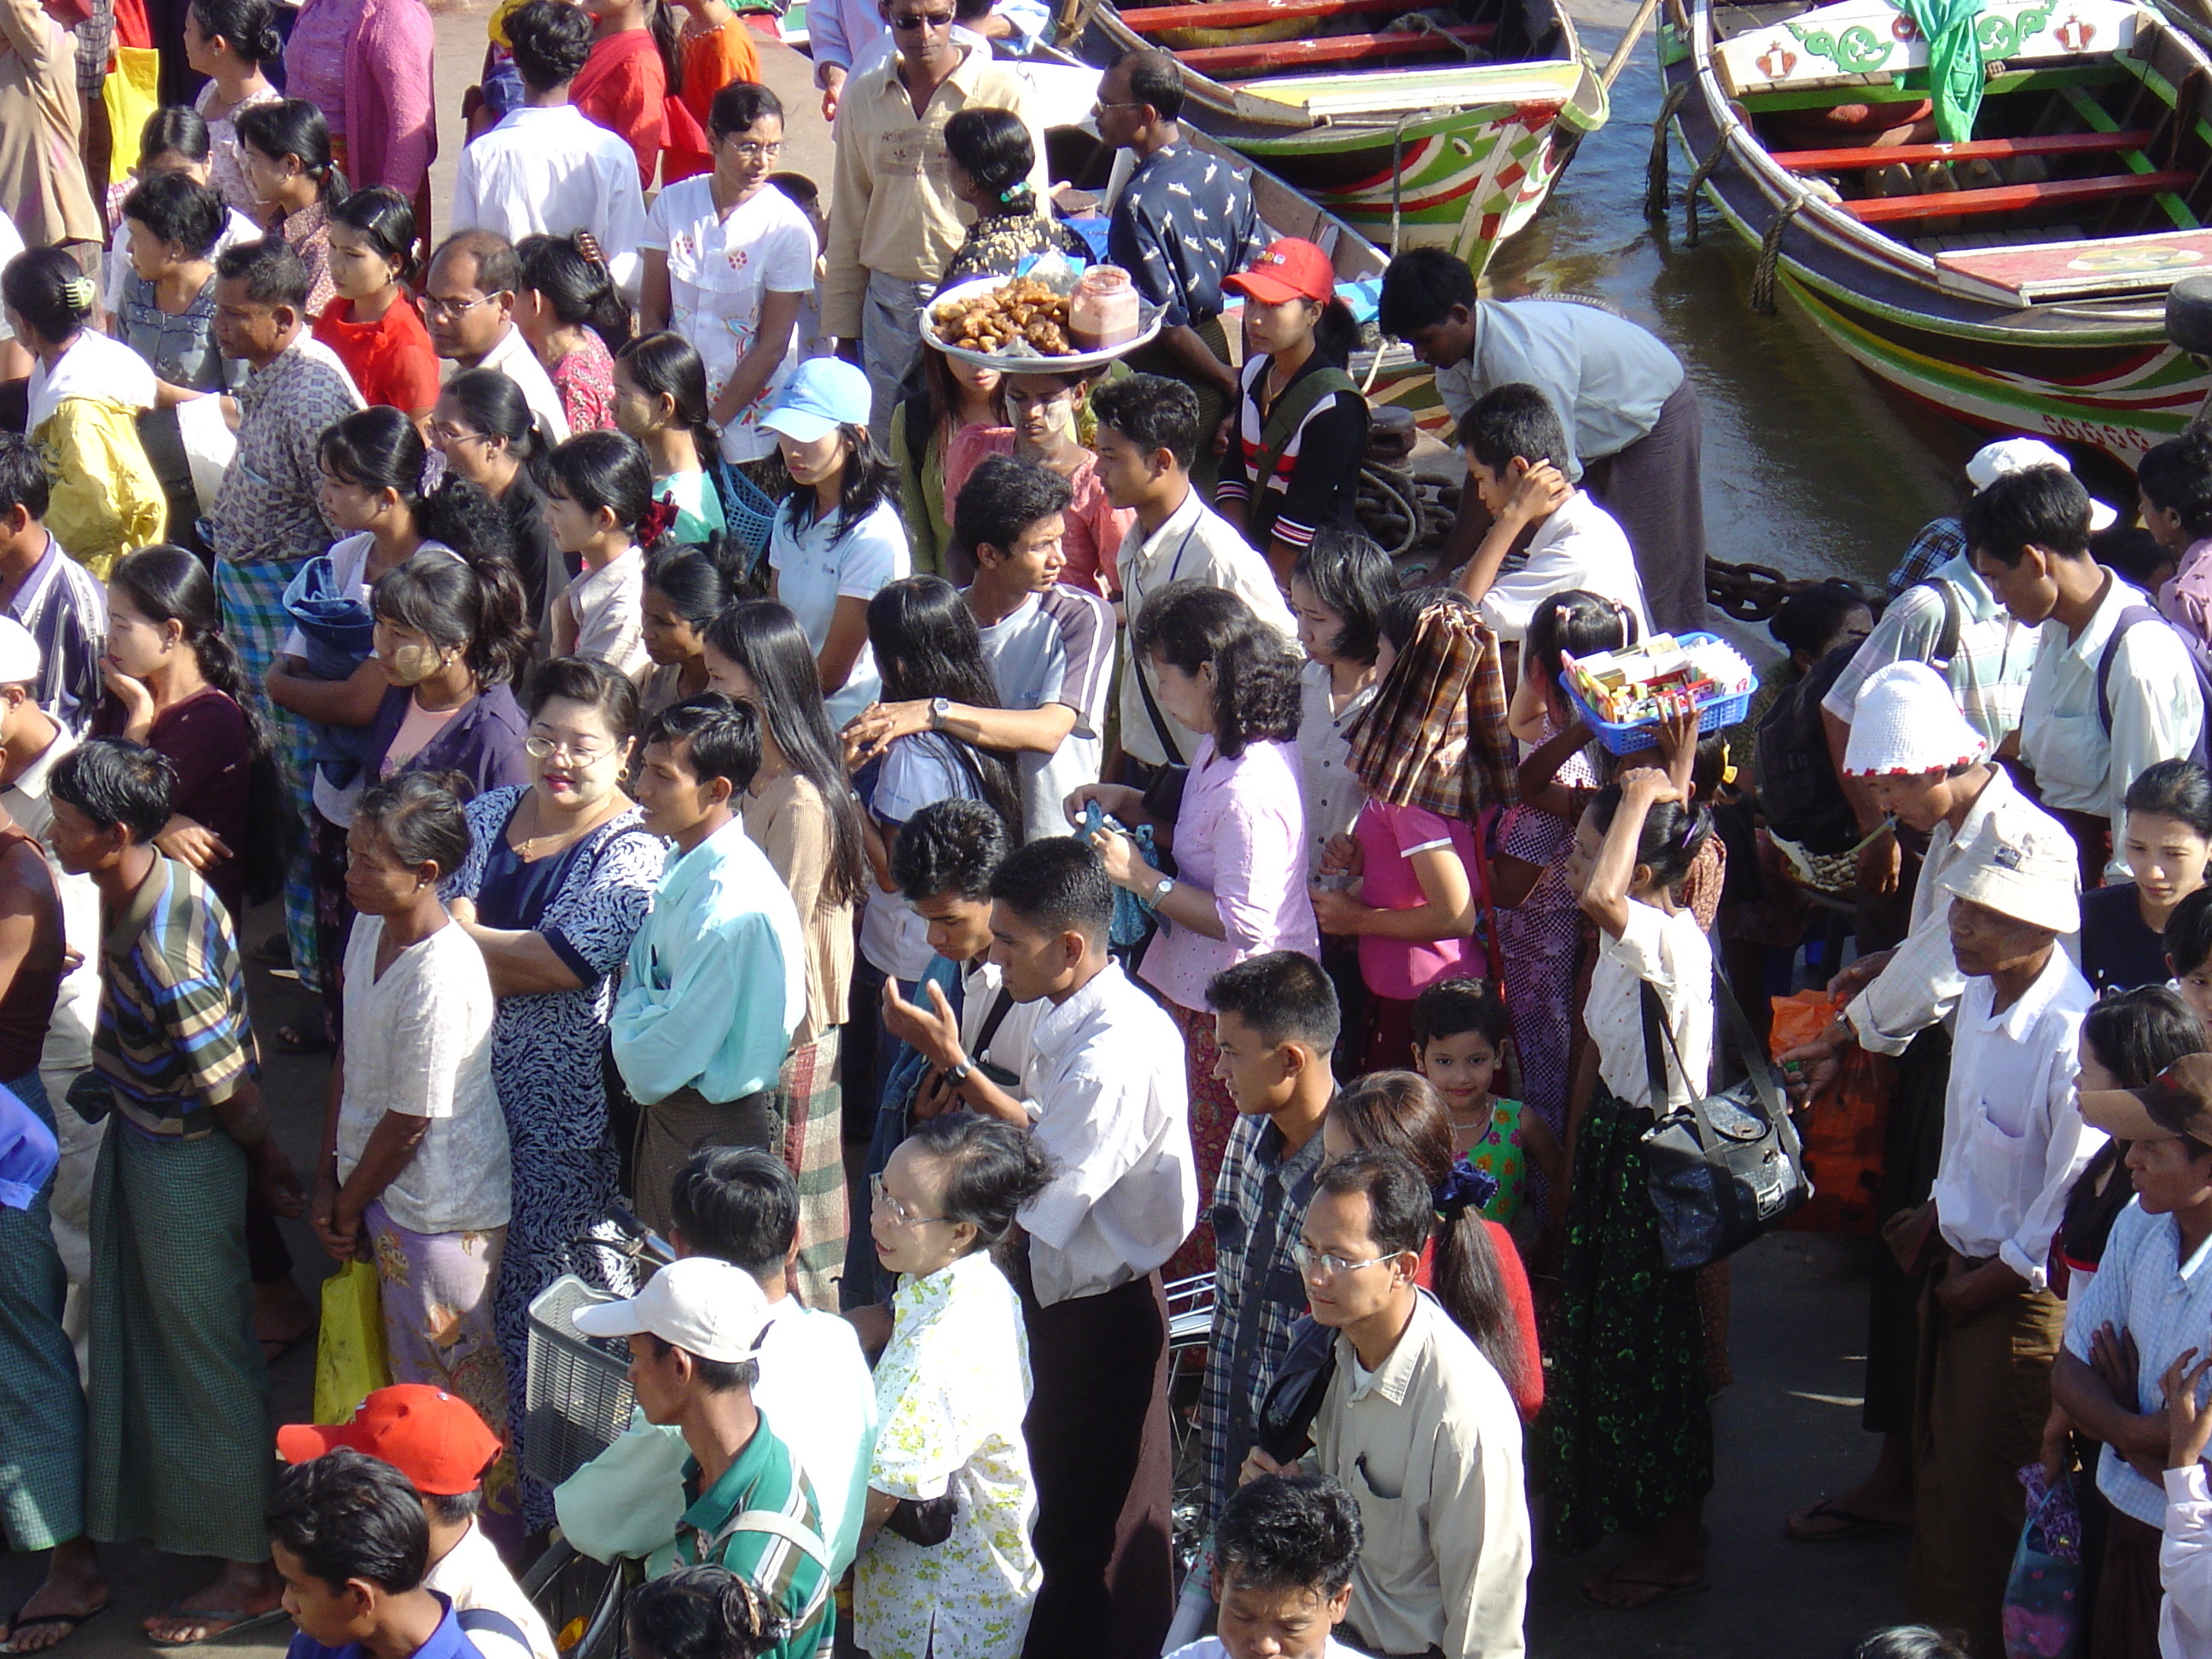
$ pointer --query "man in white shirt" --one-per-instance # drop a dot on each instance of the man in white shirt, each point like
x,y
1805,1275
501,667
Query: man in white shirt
x,y
1147,437
2013,1142
1285,1549
740,1204
444,1449
1516,452
2114,689
1637,436
547,167
1106,1071
468,308
1050,644
1416,1424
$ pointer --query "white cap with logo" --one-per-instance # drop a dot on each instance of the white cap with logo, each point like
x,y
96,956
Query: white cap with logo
x,y
702,1305
19,653
1993,461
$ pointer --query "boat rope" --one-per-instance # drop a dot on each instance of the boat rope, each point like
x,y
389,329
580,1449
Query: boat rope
x,y
1397,180
1388,495
1696,187
1769,257
1419,22
1654,170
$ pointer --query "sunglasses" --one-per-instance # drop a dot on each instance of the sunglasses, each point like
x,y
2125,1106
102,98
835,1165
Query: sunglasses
x,y
913,21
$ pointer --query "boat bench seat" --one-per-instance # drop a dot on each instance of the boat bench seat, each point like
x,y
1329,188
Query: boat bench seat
x,y
1278,56
1975,149
1246,13
2012,198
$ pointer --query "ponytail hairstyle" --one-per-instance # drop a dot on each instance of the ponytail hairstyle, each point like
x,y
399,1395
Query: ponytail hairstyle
x,y
1673,836
701,1612
48,290
174,129
176,206
869,481
926,645
385,221
247,27
494,405
164,583
1577,621
609,470
473,607
668,40
295,127
993,147
578,288
1257,686
765,640
666,365
376,449
1402,1112
1336,332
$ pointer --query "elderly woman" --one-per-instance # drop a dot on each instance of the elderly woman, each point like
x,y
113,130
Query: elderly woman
x,y
1239,835
558,879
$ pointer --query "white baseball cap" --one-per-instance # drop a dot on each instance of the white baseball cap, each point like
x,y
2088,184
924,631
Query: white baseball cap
x,y
19,653
1993,461
702,1305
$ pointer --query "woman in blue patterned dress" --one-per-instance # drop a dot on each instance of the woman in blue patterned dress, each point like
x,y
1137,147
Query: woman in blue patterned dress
x,y
559,879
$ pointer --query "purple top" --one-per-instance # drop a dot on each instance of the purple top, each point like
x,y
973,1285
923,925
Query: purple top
x,y
1241,836
315,57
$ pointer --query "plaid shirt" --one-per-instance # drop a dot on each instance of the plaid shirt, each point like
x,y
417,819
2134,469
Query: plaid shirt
x,y
754,1520
1434,735
1940,540
1987,673
267,507
173,1035
1260,1202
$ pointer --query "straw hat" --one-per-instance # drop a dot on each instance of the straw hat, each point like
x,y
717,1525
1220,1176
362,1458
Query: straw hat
x,y
1908,724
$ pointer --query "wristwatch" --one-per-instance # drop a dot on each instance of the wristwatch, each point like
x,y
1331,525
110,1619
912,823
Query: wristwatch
x,y
1160,893
940,709
959,1074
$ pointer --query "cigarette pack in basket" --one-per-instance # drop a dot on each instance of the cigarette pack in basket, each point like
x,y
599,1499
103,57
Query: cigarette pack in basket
x,y
1622,694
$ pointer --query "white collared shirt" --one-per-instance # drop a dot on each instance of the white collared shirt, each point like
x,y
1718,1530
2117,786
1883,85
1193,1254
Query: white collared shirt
x,y
1580,545
1192,541
606,608
513,358
1106,1069
2156,710
2185,1567
553,172
471,1575
2013,1135
1920,983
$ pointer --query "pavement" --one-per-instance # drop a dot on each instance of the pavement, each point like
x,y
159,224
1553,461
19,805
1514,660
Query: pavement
x,y
1786,1430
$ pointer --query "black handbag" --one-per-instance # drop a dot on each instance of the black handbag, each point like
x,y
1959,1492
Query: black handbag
x,y
1726,1167
924,1521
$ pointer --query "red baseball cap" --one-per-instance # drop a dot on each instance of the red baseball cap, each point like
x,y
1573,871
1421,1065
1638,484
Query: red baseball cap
x,y
433,1438
1290,269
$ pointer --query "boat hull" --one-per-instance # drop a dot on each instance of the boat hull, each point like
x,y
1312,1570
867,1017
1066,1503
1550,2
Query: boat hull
x,y
2099,374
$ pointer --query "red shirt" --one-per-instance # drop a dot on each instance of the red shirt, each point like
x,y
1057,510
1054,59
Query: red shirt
x,y
391,359
1530,1399
623,86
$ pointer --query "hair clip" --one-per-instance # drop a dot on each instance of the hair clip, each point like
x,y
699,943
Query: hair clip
x,y
659,519
81,293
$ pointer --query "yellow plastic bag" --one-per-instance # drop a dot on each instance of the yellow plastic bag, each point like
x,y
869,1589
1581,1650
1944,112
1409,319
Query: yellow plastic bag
x,y
132,91
351,1362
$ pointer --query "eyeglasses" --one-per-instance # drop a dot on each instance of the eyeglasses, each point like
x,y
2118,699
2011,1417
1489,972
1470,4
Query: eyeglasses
x,y
1104,104
434,307
897,1211
916,20
751,151
453,434
1327,1264
542,747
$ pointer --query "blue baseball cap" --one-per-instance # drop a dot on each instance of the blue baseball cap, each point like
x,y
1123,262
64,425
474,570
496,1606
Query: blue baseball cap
x,y
822,394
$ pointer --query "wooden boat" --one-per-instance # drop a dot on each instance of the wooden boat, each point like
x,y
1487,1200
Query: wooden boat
x,y
2015,279
1445,128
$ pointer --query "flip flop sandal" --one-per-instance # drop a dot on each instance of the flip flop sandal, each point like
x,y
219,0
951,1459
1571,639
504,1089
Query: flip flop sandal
x,y
1851,1524
1667,1590
228,1621
70,1622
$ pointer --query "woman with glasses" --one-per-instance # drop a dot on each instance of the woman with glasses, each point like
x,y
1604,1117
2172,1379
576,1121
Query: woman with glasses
x,y
728,258
1042,417
483,425
952,1388
559,877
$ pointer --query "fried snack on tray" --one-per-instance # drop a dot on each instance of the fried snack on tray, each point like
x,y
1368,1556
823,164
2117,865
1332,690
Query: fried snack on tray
x,y
1023,310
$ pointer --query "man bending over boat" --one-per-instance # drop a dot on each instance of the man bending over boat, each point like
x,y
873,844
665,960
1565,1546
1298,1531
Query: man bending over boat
x,y
1634,434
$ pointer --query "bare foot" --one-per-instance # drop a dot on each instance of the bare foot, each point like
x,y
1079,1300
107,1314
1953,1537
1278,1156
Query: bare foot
x,y
243,1591
73,1591
1648,1576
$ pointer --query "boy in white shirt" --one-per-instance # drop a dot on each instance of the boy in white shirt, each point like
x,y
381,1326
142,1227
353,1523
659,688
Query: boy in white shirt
x,y
1283,1549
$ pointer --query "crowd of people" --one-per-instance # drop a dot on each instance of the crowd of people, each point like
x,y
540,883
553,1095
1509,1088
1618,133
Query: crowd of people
x,y
687,726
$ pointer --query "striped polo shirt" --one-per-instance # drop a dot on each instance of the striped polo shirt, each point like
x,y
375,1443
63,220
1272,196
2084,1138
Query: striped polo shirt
x,y
760,1520
172,1036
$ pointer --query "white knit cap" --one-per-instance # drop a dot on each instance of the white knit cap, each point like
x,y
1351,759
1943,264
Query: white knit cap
x,y
1993,461
1907,723
2035,877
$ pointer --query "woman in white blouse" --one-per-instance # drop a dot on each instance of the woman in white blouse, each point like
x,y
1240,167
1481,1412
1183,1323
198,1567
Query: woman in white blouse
x,y
415,1173
951,1391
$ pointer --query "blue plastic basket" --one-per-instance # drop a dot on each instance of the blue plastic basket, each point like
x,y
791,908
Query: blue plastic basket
x,y
1714,716
747,512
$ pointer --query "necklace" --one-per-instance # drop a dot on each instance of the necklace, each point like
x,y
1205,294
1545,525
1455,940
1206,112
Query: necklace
x,y
555,838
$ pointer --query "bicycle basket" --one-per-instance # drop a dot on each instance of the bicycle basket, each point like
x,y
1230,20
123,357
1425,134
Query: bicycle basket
x,y
577,1399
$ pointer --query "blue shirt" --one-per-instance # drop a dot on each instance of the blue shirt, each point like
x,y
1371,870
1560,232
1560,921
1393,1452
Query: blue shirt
x,y
448,1640
1183,222
716,980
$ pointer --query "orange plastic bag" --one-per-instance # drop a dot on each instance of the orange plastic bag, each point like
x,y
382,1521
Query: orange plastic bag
x,y
1842,1126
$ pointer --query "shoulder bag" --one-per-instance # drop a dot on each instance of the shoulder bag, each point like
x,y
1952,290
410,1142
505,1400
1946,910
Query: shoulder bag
x,y
1725,1168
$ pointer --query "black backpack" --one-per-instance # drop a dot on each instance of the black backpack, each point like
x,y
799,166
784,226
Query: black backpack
x,y
1799,793
2129,618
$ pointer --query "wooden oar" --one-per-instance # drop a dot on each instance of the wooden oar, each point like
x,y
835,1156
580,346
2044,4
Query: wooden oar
x,y
1619,61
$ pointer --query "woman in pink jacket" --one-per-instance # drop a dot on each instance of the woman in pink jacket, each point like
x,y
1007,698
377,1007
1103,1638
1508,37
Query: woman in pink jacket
x,y
369,64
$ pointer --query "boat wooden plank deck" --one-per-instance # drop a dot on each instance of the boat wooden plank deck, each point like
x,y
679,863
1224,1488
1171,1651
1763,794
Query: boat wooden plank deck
x,y
1246,13
1977,149
1279,55
2012,198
